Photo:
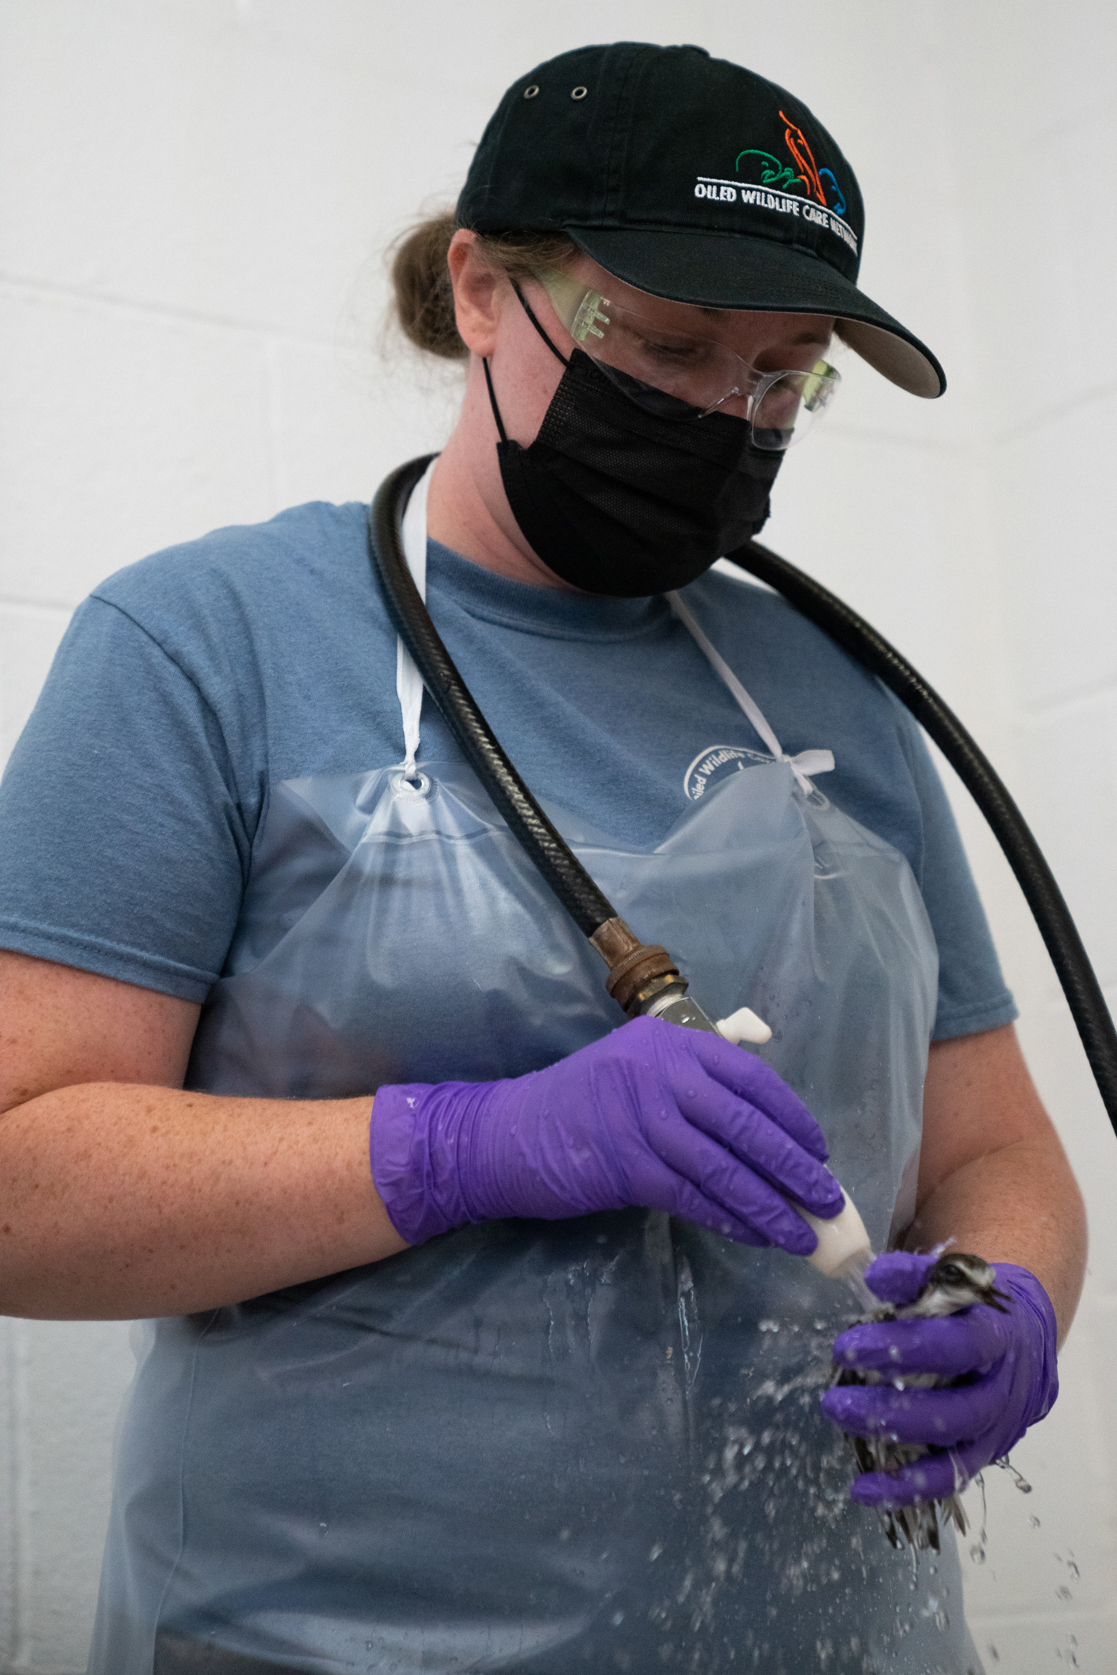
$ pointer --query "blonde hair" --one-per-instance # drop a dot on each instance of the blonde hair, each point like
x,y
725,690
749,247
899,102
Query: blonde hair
x,y
423,297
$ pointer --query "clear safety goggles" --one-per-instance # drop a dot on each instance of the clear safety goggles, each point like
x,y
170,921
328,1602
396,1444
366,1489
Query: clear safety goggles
x,y
682,377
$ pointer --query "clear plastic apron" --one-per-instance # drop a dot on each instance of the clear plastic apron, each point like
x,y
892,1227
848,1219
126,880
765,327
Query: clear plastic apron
x,y
535,1446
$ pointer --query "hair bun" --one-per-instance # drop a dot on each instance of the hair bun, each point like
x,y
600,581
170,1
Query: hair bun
x,y
424,296
423,293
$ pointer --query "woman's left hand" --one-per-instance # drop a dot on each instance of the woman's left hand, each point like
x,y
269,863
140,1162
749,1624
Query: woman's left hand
x,y
997,1374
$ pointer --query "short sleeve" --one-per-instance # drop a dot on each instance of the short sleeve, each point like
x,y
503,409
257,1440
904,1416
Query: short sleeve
x,y
123,842
972,991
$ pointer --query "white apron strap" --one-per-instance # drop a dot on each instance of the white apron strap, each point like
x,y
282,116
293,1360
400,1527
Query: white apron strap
x,y
808,761
409,682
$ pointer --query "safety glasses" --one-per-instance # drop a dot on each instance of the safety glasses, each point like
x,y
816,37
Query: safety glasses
x,y
682,377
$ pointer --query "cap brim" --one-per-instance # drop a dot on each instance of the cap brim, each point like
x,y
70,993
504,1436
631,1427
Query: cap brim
x,y
734,270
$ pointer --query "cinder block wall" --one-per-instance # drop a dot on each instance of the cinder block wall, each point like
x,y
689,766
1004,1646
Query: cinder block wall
x,y
193,198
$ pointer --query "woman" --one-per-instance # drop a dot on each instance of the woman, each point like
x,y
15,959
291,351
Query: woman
x,y
540,1389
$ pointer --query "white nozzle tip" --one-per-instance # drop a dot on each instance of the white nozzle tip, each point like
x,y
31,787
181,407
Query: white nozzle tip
x,y
744,1025
843,1244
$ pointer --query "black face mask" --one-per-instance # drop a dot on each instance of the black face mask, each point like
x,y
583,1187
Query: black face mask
x,y
617,500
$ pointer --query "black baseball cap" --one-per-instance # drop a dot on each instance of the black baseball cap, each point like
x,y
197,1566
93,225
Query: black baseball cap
x,y
690,178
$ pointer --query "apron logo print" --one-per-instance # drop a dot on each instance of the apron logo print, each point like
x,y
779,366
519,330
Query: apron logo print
x,y
714,763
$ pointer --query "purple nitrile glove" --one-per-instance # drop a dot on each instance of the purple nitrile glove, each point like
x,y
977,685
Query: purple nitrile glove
x,y
899,1275
1007,1359
652,1115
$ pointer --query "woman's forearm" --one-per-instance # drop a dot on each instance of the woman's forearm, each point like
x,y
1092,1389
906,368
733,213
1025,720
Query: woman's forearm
x,y
993,1176
1018,1204
119,1200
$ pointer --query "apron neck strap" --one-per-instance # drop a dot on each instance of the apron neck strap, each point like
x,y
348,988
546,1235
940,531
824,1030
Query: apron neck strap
x,y
807,761
409,682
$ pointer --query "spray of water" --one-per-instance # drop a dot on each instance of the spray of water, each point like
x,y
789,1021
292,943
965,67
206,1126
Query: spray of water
x,y
854,1278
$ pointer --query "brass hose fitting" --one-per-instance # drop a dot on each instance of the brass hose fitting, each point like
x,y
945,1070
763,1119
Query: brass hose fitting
x,y
637,970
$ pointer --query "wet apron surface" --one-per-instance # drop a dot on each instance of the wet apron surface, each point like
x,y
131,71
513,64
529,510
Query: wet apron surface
x,y
535,1446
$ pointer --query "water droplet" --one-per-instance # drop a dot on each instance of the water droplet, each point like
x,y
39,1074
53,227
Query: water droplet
x,y
1064,1594
657,1549
977,1554
564,1535
1021,1483
1033,1523
617,1618
322,1528
993,1652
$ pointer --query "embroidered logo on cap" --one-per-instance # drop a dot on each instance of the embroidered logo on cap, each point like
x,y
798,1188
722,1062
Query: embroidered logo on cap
x,y
798,187
809,175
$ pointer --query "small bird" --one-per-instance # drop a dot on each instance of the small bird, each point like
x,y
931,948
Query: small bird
x,y
954,1282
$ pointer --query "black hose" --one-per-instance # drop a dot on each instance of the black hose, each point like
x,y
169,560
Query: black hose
x,y
569,880
573,885
1050,911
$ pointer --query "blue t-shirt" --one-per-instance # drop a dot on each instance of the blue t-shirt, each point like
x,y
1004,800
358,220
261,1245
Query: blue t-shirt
x,y
189,683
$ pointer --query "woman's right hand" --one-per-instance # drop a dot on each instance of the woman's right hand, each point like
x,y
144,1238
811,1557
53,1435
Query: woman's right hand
x,y
651,1115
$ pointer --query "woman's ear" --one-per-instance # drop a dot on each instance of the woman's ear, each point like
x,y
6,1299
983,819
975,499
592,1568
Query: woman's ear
x,y
477,298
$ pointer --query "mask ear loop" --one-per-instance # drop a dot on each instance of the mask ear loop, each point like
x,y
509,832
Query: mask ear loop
x,y
492,400
528,311
485,360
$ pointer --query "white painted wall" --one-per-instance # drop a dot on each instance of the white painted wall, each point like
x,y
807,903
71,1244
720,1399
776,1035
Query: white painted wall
x,y
193,198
